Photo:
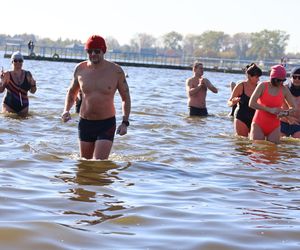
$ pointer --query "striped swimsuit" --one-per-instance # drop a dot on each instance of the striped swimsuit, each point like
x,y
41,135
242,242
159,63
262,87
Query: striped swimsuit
x,y
16,96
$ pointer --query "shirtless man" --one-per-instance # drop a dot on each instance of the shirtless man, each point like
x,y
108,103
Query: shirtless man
x,y
290,125
98,80
196,89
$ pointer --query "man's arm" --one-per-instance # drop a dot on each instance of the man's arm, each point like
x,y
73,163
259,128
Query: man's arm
x,y
126,103
4,80
210,86
191,90
289,99
70,97
125,95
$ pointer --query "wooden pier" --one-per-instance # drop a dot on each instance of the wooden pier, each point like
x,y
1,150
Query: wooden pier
x,y
76,55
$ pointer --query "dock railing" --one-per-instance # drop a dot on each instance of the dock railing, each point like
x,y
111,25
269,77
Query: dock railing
x,y
137,59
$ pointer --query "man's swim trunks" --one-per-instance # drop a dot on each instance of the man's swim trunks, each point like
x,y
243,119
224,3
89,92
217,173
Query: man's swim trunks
x,y
289,129
198,111
93,130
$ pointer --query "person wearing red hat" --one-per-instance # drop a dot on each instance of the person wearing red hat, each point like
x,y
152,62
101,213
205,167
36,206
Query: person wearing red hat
x,y
267,99
98,80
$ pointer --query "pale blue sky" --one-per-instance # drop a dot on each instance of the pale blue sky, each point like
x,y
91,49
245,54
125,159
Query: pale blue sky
x,y
123,19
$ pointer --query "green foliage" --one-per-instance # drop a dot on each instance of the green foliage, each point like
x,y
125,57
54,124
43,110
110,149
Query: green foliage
x,y
263,45
172,40
267,44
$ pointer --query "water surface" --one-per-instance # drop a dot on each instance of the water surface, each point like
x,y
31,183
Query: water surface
x,y
173,182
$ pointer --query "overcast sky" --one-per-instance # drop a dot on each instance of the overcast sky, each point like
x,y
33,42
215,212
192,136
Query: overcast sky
x,y
122,19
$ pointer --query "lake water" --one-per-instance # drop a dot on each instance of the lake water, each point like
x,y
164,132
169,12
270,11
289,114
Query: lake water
x,y
173,182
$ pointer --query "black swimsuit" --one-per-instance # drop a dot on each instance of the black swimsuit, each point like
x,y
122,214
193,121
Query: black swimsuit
x,y
243,112
16,95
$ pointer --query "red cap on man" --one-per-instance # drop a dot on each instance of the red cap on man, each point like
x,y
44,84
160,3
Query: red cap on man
x,y
96,42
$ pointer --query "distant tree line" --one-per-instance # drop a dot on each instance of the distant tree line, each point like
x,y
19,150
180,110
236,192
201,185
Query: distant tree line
x,y
263,45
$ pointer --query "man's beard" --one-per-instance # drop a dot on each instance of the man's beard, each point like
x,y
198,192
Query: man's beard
x,y
95,61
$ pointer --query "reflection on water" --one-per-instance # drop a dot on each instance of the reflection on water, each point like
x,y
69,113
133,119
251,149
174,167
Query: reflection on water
x,y
87,177
265,153
97,173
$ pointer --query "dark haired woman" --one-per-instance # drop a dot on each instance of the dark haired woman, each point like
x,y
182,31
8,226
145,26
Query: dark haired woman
x,y
240,95
268,99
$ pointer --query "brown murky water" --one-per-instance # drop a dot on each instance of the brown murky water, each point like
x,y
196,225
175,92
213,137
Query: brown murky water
x,y
172,183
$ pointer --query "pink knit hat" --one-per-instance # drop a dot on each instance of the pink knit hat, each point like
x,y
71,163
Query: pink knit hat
x,y
278,71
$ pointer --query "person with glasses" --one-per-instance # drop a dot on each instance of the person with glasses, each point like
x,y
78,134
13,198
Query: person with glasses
x,y
240,96
98,80
290,125
196,89
17,83
267,99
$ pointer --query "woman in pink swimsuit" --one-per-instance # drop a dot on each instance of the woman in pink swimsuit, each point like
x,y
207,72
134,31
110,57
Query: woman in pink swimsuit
x,y
268,99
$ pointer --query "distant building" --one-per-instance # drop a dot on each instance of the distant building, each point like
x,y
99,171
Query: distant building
x,y
75,46
148,51
14,41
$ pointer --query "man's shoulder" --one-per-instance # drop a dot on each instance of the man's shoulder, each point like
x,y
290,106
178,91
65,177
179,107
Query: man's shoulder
x,y
206,79
114,66
190,79
82,64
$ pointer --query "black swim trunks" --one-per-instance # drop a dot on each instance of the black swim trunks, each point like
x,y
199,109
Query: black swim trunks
x,y
289,129
198,111
93,130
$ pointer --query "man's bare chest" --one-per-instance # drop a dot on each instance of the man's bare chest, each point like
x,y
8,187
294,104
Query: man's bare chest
x,y
98,82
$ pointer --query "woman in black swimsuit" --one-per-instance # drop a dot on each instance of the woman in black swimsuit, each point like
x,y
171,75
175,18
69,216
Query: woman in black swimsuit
x,y
17,83
240,95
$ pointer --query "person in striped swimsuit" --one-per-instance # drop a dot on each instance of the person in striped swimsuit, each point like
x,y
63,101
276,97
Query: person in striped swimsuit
x,y
17,83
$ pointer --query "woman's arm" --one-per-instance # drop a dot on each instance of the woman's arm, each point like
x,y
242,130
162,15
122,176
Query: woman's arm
x,y
31,81
235,95
254,97
255,105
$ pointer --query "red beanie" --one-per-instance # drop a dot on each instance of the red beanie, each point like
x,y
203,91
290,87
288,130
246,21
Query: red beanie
x,y
96,42
278,71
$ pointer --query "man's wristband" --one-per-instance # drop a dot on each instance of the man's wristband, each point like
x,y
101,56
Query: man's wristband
x,y
126,123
